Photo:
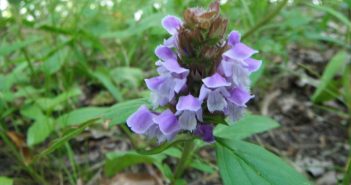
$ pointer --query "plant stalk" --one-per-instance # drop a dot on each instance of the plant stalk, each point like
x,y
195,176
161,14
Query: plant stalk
x,y
189,147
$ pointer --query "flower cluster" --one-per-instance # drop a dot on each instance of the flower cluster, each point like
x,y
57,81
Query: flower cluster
x,y
201,73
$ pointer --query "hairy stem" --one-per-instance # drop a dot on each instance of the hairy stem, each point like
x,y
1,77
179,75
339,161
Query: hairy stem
x,y
266,19
184,160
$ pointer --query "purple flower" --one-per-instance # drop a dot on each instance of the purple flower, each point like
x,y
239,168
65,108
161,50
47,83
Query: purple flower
x,y
239,96
163,126
172,77
214,89
189,111
190,75
167,122
234,112
237,64
171,24
141,120
224,97
205,131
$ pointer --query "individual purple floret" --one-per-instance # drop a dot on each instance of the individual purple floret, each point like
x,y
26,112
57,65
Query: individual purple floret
x,y
237,64
163,126
214,90
141,120
205,132
189,112
201,74
171,24
168,123
172,77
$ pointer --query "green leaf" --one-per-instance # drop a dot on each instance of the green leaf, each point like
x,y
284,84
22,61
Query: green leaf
x,y
127,76
321,37
80,116
119,113
202,166
117,161
242,163
334,13
149,22
348,2
331,91
59,142
32,112
107,82
48,104
334,66
42,126
245,127
40,130
17,75
5,181
8,48
55,62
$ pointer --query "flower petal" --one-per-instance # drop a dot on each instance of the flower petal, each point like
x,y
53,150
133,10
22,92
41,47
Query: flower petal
x,y
234,38
165,53
155,132
205,131
167,122
187,120
203,93
188,102
240,51
214,81
166,89
253,64
226,67
239,96
141,120
173,66
158,100
240,75
216,101
199,115
234,112
179,84
171,24
155,82
170,42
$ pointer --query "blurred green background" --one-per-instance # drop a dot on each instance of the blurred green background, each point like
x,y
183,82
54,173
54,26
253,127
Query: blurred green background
x,y
59,56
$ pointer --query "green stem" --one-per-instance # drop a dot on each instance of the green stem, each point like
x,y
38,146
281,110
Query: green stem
x,y
132,139
189,147
18,19
266,19
164,146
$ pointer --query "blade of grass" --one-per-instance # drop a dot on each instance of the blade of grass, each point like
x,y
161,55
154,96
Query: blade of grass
x,y
62,140
265,19
248,12
342,18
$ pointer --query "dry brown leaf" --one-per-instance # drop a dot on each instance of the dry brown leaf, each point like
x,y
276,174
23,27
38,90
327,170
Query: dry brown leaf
x,y
19,141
